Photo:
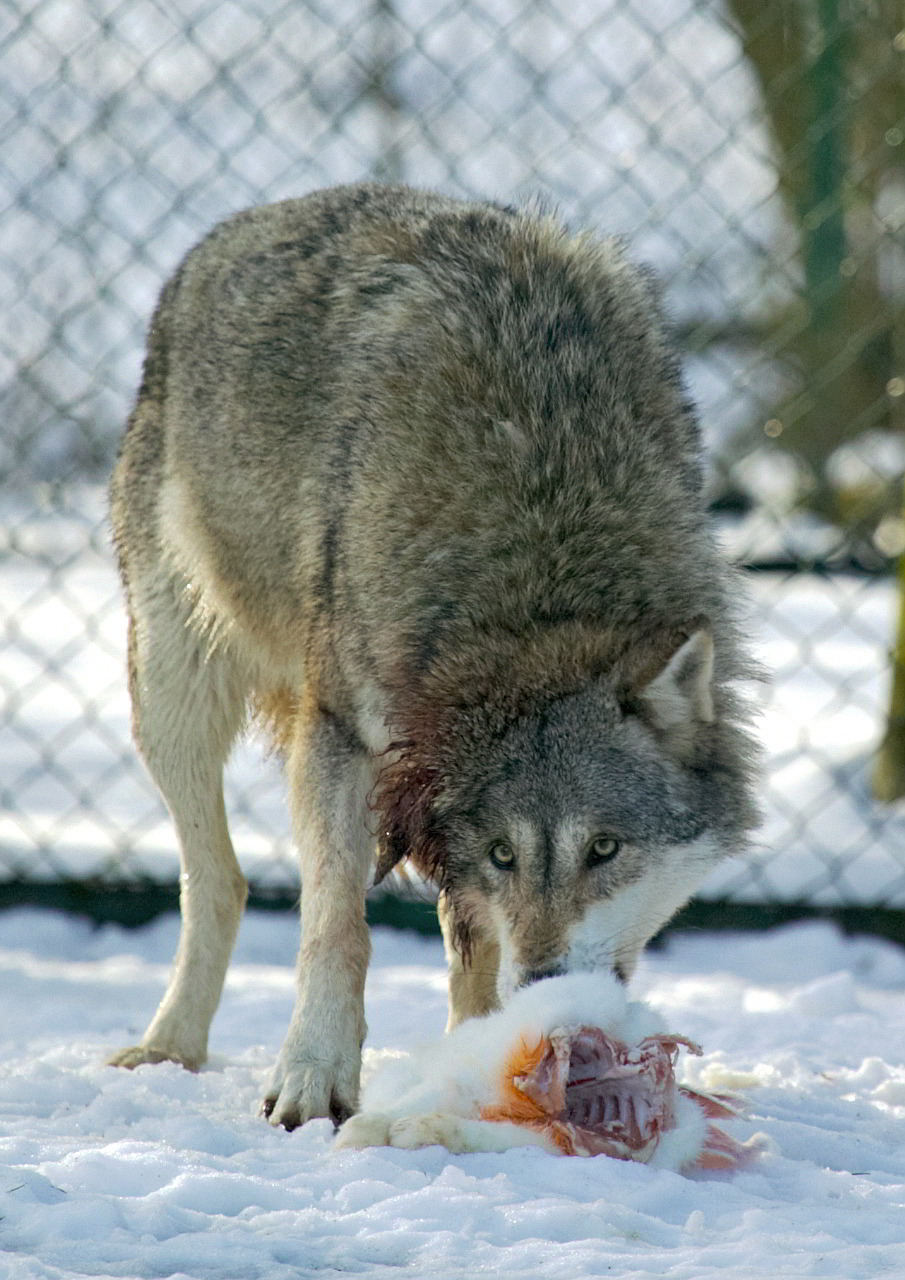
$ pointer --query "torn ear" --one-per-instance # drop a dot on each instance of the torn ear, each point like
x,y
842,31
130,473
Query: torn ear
x,y
681,695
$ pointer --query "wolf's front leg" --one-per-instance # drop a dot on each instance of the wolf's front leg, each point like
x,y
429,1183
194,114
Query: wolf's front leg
x,y
472,986
317,1072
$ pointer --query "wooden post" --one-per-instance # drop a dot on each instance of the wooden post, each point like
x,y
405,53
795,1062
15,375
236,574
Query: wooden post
x,y
889,766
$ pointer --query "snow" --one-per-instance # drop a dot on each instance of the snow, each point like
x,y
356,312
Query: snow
x,y
161,1173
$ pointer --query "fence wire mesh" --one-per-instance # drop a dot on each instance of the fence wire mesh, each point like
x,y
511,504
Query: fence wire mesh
x,y
751,151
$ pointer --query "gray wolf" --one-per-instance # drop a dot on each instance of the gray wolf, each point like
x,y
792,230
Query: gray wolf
x,y
414,481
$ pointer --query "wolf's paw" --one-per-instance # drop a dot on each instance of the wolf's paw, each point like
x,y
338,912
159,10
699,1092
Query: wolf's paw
x,y
304,1088
137,1054
433,1129
367,1129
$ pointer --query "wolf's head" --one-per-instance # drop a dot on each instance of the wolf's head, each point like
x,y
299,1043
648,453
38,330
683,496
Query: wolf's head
x,y
574,834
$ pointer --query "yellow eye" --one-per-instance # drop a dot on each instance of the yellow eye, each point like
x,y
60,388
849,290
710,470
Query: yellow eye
x,y
603,849
501,855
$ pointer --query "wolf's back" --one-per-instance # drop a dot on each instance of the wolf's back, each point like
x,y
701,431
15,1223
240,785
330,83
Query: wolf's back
x,y
426,417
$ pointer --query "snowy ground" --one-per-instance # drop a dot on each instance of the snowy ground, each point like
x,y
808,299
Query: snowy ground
x,y
160,1173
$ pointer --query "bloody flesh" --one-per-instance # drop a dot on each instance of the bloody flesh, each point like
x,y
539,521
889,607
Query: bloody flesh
x,y
594,1095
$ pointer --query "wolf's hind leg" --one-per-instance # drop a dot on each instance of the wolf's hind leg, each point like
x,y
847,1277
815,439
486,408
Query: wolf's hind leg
x,y
317,1072
188,704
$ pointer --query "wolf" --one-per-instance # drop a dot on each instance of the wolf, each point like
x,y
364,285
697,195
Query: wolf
x,y
414,481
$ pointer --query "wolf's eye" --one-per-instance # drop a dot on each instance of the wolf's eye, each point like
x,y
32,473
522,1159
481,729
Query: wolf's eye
x,y
501,855
603,849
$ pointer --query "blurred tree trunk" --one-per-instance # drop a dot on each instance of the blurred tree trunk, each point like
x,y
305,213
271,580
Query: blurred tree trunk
x,y
878,142
889,768
388,163
832,74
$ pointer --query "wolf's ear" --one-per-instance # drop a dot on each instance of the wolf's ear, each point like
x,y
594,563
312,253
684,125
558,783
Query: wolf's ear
x,y
682,694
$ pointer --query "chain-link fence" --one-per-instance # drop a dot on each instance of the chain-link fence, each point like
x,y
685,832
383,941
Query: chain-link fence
x,y
751,151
